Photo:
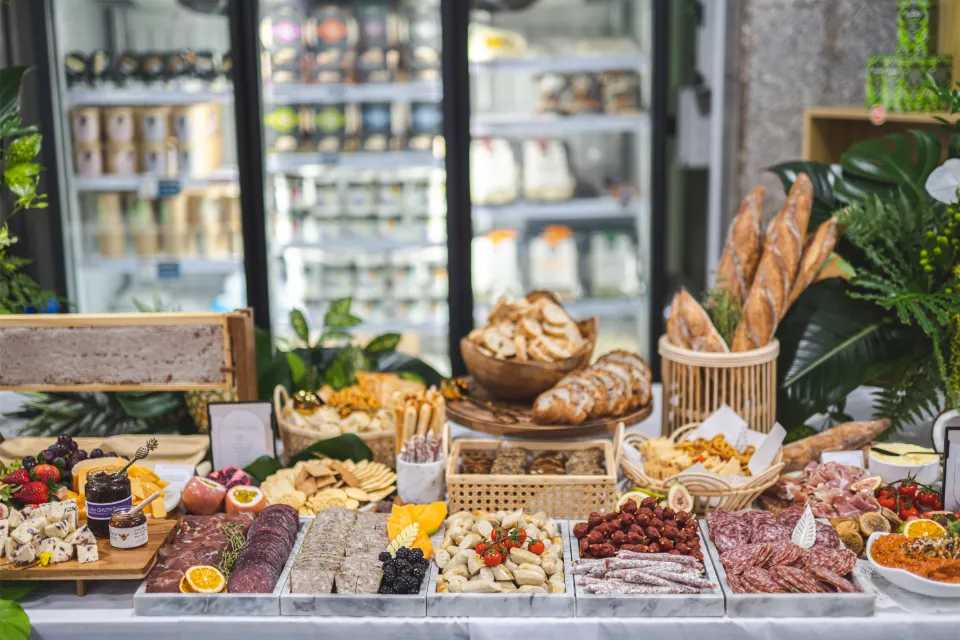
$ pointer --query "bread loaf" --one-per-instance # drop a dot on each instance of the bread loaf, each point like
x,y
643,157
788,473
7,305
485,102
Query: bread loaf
x,y
849,436
818,249
741,252
783,246
689,326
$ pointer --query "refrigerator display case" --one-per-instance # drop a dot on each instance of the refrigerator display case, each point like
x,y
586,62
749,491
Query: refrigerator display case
x,y
560,159
147,151
354,151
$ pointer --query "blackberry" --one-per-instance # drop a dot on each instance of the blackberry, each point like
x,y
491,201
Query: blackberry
x,y
402,565
423,564
417,573
386,589
390,574
384,556
403,553
416,554
406,584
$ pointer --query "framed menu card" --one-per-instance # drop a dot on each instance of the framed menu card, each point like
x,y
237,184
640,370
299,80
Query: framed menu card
x,y
240,432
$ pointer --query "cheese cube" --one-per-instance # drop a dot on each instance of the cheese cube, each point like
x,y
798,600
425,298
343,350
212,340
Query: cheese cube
x,y
31,511
4,528
4,511
47,545
57,529
9,547
3,544
15,519
25,554
25,533
83,535
55,512
70,516
87,553
62,552
69,505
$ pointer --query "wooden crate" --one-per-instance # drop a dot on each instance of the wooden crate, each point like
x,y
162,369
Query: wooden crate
x,y
560,497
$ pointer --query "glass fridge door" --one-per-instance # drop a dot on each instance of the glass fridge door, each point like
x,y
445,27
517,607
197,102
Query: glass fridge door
x,y
151,209
559,160
353,132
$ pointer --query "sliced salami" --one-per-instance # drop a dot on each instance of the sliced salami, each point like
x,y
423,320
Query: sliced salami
x,y
827,536
840,583
795,580
772,532
790,517
760,580
838,561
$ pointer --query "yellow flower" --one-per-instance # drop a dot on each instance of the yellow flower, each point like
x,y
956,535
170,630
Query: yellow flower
x,y
44,558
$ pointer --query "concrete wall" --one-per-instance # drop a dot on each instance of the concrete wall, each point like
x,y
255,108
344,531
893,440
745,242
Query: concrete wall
x,y
794,54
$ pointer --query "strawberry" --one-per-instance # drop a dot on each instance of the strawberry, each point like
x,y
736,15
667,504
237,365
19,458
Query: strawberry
x,y
45,472
34,492
20,476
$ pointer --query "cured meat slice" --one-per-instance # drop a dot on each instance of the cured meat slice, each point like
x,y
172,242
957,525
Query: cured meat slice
x,y
795,580
760,580
756,555
827,536
252,579
790,517
839,561
840,583
788,554
770,532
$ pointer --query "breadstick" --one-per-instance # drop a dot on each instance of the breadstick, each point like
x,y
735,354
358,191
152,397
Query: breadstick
x,y
409,422
424,423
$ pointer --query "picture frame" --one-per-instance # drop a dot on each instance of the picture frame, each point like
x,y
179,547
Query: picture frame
x,y
252,432
951,469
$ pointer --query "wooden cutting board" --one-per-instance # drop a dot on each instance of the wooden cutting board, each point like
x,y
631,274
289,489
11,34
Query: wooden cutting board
x,y
114,564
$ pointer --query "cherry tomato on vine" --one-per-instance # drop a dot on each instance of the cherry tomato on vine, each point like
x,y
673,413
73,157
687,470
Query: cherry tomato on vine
x,y
492,558
537,547
908,488
909,512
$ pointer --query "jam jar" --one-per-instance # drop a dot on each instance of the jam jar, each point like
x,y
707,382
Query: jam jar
x,y
105,491
127,530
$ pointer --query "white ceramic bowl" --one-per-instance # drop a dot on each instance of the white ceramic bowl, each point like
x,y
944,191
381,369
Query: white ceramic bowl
x,y
911,581
923,473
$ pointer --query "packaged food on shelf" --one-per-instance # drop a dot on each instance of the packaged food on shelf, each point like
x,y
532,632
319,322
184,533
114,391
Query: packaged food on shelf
x,y
620,92
377,58
377,127
88,160
330,34
153,124
613,264
111,235
85,125
143,228
121,158
118,125
282,42
329,129
554,262
546,171
421,41
494,172
426,126
488,43
281,127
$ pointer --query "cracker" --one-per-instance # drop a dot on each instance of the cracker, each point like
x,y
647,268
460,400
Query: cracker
x,y
377,496
352,504
346,474
295,499
317,469
357,494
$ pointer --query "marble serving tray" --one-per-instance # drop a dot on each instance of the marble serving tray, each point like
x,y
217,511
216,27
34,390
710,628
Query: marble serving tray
x,y
654,605
353,605
217,604
486,605
789,605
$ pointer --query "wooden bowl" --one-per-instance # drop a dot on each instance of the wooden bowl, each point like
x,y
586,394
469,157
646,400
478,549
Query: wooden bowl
x,y
522,381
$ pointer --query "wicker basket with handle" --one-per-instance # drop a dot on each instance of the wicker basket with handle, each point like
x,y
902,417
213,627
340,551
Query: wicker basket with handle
x,y
561,497
709,491
296,438
696,384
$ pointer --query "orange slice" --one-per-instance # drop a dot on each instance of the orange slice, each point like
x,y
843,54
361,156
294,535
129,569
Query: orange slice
x,y
923,529
184,587
205,579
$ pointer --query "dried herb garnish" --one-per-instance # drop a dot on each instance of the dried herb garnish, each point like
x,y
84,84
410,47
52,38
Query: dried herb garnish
x,y
235,542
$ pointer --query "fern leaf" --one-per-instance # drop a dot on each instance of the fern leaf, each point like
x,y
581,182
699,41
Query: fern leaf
x,y
404,539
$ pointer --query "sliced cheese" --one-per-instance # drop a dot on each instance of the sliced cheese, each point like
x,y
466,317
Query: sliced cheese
x,y
15,519
25,533
62,552
87,553
57,529
83,535
47,545
25,554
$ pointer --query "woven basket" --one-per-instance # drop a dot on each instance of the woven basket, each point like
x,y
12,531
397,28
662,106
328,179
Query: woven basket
x,y
696,384
296,439
561,497
709,491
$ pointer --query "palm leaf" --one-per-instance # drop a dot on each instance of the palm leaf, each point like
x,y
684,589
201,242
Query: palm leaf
x,y
904,160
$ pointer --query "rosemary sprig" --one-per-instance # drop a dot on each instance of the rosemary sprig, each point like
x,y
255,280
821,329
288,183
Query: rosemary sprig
x,y
235,542
724,312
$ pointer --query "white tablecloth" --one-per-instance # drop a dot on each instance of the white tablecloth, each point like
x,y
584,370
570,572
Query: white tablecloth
x,y
106,612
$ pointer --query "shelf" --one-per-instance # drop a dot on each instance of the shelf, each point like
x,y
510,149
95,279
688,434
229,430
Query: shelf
x,y
166,267
588,307
500,125
147,184
564,64
145,97
339,93
279,162
403,326
583,209
363,245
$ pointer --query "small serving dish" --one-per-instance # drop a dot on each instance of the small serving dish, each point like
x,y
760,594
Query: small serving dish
x,y
911,581
889,471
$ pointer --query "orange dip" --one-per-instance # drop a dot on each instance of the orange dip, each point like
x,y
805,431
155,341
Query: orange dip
x,y
892,551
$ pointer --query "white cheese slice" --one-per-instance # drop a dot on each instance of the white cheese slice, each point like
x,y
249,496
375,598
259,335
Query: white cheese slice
x,y
83,535
25,533
4,528
15,519
57,529
87,553
25,554
70,504
9,547
30,511
47,545
70,516
62,551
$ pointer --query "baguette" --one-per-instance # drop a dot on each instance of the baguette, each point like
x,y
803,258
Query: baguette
x,y
689,326
843,437
741,252
767,301
815,255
